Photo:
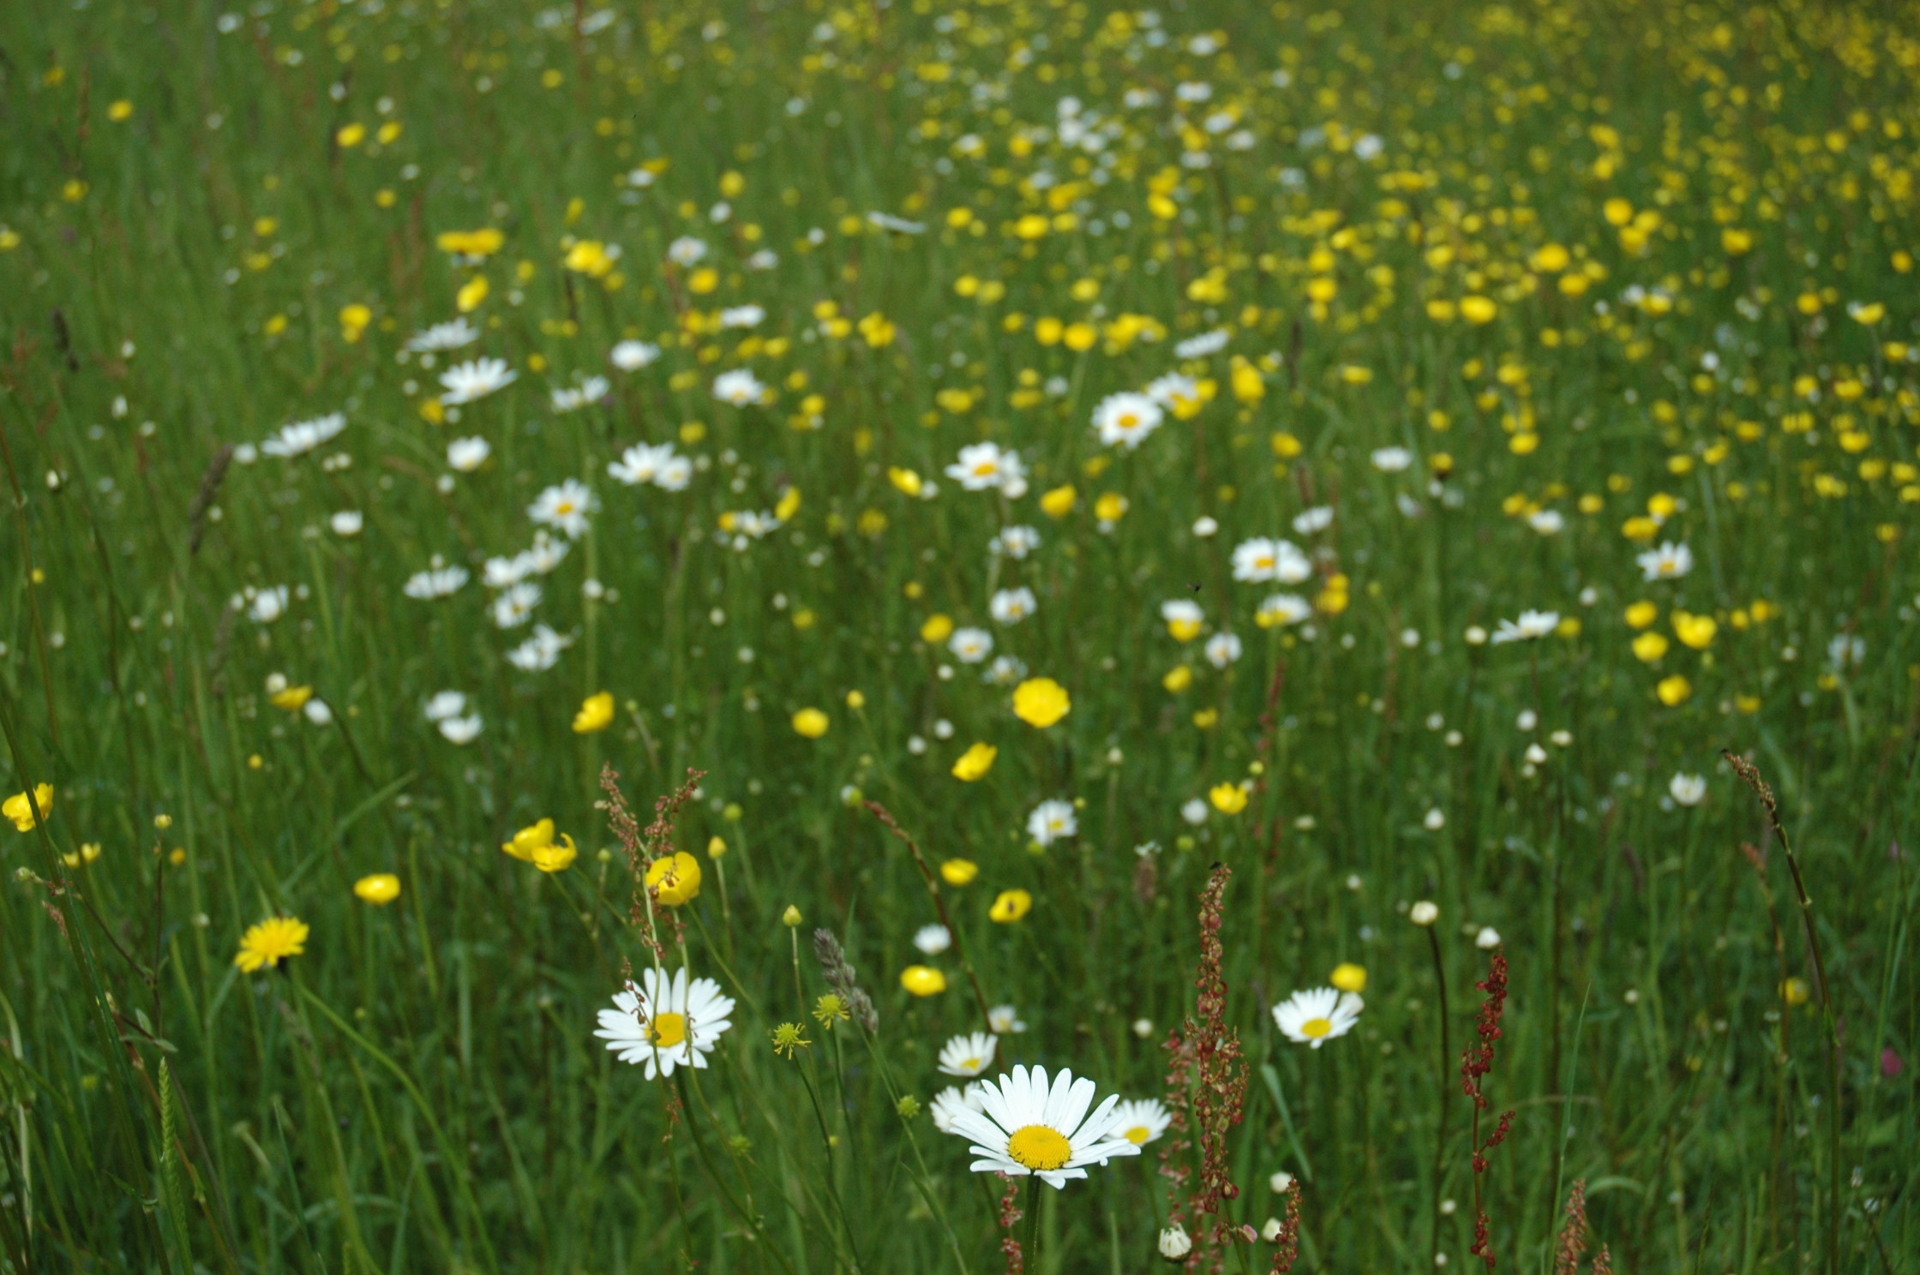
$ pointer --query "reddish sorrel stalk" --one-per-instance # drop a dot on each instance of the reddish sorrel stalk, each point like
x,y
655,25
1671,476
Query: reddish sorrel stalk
x,y
1010,1216
1573,1237
1287,1245
1206,1095
1475,1065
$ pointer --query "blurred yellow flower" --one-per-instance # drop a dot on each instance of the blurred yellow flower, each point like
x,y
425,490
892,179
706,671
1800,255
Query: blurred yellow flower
x,y
291,698
958,872
1059,502
675,878
1010,906
270,942
1674,691
86,854
1349,977
379,889
937,628
923,980
1795,992
1041,701
1228,799
1695,630
1641,614
596,713
353,322
811,722
19,809
975,763
471,294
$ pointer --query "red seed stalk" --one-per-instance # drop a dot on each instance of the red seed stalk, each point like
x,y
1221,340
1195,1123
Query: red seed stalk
x,y
1475,1064
1010,1215
1288,1250
1206,1092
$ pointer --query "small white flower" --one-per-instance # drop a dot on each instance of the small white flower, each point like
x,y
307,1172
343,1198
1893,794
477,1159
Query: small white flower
x,y
443,336
1175,1243
436,582
302,437
1669,562
445,704
540,652
970,646
1141,1120
968,1055
1424,913
565,507
1316,1016
1010,606
932,939
264,606
347,523
686,251
1223,649
468,454
1015,542
1260,560
952,1099
1487,939
573,398
1125,420
1199,347
739,388
514,606
1005,1020
1052,820
1530,625
1282,609
1687,790
461,730
1308,521
631,356
1194,811
1392,460
476,379
1548,522
987,467
742,316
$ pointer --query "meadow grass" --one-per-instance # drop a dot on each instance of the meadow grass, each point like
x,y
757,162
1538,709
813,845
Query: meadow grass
x,y
1503,299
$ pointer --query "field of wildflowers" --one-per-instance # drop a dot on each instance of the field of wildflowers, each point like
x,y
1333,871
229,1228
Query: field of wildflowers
x,y
819,636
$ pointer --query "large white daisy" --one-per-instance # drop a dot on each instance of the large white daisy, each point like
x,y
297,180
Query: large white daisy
x,y
969,1054
1028,1128
1316,1016
664,1022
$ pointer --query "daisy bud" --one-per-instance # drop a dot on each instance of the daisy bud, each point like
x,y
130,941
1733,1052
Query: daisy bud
x,y
1175,1243
1487,939
791,917
1425,912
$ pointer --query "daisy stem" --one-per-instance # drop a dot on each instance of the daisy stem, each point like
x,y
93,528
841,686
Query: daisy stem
x,y
1033,1222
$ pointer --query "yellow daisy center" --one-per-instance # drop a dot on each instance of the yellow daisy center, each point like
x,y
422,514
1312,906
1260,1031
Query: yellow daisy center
x,y
1264,560
564,507
1128,421
668,1030
1138,1134
1317,1027
1039,1148
984,468
970,1064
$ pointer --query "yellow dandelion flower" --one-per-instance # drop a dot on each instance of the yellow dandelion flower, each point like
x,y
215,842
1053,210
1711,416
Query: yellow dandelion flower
x,y
271,942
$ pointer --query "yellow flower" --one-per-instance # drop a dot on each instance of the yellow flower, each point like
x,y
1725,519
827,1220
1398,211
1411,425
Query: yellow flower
x,y
535,845
87,854
1011,906
1641,614
291,698
1650,646
938,628
471,294
1674,691
353,322
975,763
1478,309
1178,679
270,942
1349,977
1735,241
1041,701
596,713
811,722
1695,630
350,135
1059,502
674,879
1111,507
120,111
959,872
379,889
20,810
923,980
1228,799
1795,992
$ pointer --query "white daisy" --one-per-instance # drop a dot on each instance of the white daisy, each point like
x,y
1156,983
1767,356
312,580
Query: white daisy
x,y
932,939
631,356
545,555
742,316
564,507
1263,559
686,251
443,336
1669,562
573,398
264,606
1015,542
1028,1128
1173,389
1005,1020
1141,1120
1223,649
1687,790
302,437
989,467
1010,606
462,730
1125,420
1548,522
445,705
1282,609
468,454
664,1022
1308,521
1530,625
968,1055
675,474
1846,650
952,1099
348,523
514,607
436,582
475,379
500,573
1316,1016
738,387
970,646
1391,460
541,651
642,463
1199,347
1052,820
1006,670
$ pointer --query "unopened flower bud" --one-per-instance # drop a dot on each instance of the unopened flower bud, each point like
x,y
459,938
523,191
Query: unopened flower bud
x,y
791,917
1175,1243
1425,912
